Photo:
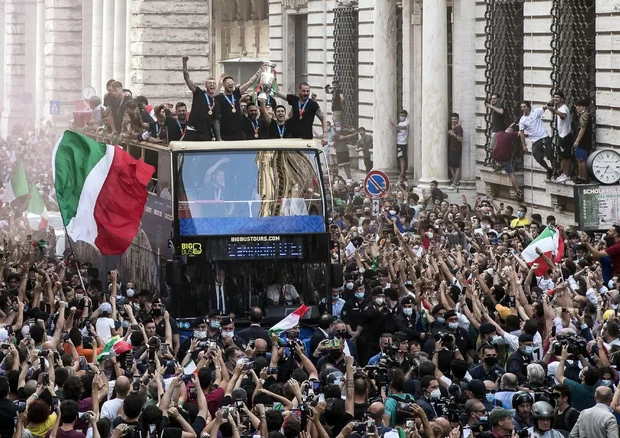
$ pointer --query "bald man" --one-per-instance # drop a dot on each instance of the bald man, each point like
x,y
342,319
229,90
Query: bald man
x,y
597,421
260,348
376,411
110,408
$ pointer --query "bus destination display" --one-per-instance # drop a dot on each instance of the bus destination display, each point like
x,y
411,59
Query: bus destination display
x,y
257,250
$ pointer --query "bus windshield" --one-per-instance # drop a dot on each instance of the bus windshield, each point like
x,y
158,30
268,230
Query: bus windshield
x,y
249,193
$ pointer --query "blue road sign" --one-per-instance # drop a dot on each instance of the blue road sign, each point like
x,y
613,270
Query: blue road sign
x,y
54,107
376,184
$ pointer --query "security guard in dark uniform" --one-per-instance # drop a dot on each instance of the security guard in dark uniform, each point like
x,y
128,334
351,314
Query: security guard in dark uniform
x,y
392,307
352,310
406,319
373,318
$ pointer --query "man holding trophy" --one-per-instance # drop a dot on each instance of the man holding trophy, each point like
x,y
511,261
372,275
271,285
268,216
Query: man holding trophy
x,y
304,111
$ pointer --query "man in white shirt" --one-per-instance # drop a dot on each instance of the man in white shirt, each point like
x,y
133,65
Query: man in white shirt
x,y
563,125
105,325
532,125
282,293
110,408
402,138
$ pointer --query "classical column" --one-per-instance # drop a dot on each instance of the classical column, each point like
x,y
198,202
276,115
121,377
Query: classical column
x,y
412,81
128,44
435,117
120,24
463,78
2,51
384,84
107,50
41,110
14,68
96,61
63,56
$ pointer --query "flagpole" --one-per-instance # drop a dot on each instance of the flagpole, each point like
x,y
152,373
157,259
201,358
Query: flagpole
x,y
68,239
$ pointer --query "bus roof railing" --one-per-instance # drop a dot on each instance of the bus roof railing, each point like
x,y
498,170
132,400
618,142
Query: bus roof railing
x,y
270,144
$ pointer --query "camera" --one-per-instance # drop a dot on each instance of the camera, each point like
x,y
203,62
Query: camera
x,y
186,378
84,416
576,345
523,433
445,338
449,408
252,344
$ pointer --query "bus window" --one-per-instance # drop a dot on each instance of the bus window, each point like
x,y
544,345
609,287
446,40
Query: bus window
x,y
135,151
151,157
163,175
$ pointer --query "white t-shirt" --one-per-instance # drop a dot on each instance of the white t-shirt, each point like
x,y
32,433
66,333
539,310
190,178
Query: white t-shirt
x,y
564,126
403,134
533,125
103,327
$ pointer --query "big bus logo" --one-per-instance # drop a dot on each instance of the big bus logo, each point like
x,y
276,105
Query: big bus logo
x,y
191,249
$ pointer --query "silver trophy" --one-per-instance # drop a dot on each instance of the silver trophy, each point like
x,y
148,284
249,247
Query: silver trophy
x,y
267,78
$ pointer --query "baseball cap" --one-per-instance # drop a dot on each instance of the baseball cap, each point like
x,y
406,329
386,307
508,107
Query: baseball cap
x,y
105,308
524,337
498,414
503,311
608,314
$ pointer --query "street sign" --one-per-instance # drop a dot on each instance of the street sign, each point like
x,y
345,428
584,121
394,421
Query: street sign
x,y
375,207
54,107
376,184
26,98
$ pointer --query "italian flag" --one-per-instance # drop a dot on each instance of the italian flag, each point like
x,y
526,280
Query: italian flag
x,y
101,191
17,186
36,205
552,246
290,321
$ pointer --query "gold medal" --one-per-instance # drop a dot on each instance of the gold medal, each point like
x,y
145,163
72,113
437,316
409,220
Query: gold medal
x,y
210,112
255,135
234,110
213,139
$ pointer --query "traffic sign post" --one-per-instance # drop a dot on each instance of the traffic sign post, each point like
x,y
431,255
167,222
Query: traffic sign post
x,y
54,107
376,184
375,207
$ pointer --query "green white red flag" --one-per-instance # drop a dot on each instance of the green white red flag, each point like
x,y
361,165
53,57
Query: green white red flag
x,y
290,321
550,243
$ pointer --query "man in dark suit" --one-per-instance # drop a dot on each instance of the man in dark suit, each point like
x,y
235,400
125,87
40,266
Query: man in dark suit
x,y
339,330
322,332
255,331
224,295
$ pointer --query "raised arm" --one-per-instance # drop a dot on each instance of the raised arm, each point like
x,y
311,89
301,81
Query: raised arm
x,y
188,81
248,84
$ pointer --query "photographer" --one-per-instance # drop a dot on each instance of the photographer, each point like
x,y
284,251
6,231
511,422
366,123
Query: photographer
x,y
582,392
430,394
396,398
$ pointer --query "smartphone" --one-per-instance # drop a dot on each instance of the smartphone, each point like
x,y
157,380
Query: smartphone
x,y
5,346
128,360
136,385
248,366
151,353
151,367
45,379
164,349
252,344
84,416
272,370
135,327
83,363
186,378
225,416
239,404
316,385
54,405
512,301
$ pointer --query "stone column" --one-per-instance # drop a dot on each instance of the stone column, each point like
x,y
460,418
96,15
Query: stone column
x,y
412,81
463,73
41,110
384,87
14,59
96,63
162,32
63,56
120,23
2,51
107,50
435,117
128,19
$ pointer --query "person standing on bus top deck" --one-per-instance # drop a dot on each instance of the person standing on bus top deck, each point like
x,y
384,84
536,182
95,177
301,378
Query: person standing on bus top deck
x,y
304,109
278,125
204,120
282,292
254,126
231,121
177,126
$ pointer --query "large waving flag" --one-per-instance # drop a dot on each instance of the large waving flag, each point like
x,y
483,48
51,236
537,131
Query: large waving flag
x,y
551,244
36,205
290,321
17,186
101,191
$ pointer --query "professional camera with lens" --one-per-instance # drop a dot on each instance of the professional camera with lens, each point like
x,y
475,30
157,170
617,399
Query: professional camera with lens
x,y
523,433
449,408
447,339
576,345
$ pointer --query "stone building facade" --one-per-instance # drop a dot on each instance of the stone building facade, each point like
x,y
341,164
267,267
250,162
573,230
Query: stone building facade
x,y
430,57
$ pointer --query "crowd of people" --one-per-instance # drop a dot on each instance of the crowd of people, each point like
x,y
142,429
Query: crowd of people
x,y
439,326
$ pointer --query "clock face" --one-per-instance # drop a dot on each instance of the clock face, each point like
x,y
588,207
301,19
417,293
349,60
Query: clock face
x,y
605,166
88,92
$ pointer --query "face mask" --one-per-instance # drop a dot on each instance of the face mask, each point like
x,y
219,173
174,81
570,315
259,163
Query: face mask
x,y
606,382
79,297
359,295
335,353
357,194
228,334
429,234
401,118
453,325
349,285
435,394
126,324
199,334
529,350
136,307
408,311
335,297
214,324
379,301
490,361
441,319
520,214
496,339
342,334
130,293
392,212
158,312
338,129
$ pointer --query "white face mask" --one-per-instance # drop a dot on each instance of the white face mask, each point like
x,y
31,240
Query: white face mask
x,y
392,212
130,293
199,334
401,118
435,394
453,325
349,285
408,311
379,301
228,334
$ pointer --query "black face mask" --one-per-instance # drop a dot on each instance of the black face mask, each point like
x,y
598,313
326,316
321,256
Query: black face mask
x,y
342,334
335,353
158,312
490,361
